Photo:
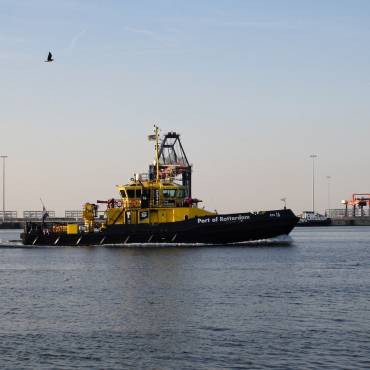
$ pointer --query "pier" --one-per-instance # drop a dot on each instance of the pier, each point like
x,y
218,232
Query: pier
x,y
339,217
10,219
356,211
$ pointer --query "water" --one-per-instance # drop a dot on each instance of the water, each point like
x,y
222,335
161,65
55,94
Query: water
x,y
298,306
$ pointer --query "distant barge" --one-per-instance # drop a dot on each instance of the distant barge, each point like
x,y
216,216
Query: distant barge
x,y
309,218
158,207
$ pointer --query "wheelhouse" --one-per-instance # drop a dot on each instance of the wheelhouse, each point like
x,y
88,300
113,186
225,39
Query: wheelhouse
x,y
152,194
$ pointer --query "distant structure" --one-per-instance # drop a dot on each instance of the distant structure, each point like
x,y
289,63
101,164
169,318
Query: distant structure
x,y
359,202
356,211
36,215
75,214
8,215
10,219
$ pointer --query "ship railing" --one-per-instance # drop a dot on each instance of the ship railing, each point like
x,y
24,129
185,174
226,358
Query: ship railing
x,y
131,203
169,203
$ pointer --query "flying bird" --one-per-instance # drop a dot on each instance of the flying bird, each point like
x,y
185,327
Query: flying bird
x,y
50,58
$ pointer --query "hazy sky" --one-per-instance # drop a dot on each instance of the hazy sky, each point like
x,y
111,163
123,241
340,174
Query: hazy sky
x,y
254,87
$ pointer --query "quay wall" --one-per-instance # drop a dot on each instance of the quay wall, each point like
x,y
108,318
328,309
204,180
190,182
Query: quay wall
x,y
11,225
351,221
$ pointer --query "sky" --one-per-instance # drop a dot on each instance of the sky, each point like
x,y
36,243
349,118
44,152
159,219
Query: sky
x,y
253,87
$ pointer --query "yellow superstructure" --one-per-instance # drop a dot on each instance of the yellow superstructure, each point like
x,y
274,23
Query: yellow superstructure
x,y
72,229
150,201
89,213
153,202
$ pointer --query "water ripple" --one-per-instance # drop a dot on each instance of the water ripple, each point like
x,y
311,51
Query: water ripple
x,y
299,307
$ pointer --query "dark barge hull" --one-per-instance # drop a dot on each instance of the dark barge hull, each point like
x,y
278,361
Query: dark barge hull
x,y
211,230
309,223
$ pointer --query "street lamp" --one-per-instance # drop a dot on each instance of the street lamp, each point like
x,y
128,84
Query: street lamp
x,y
313,156
3,157
328,178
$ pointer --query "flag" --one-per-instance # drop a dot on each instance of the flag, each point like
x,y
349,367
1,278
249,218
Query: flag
x,y
151,137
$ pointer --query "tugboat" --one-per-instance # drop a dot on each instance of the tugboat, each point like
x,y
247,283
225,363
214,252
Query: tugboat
x,y
158,207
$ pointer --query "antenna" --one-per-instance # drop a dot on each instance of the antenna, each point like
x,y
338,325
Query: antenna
x,y
156,152
284,201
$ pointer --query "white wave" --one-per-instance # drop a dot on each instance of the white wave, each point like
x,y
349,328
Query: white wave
x,y
153,245
279,240
10,243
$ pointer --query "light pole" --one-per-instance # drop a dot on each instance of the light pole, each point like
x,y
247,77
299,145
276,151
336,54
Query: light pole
x,y
328,178
313,156
3,157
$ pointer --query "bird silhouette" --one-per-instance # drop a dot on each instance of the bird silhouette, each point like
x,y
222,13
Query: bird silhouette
x,y
50,58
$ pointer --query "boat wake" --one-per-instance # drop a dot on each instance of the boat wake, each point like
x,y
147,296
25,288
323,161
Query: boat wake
x,y
10,238
10,243
276,241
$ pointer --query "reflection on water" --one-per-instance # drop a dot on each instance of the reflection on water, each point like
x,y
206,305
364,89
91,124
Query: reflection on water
x,y
10,237
301,305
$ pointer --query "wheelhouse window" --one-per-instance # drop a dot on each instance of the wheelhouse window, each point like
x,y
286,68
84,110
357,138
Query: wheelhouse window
x,y
130,193
169,193
180,193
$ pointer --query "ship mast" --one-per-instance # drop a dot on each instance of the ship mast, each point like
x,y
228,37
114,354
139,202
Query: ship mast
x,y
156,130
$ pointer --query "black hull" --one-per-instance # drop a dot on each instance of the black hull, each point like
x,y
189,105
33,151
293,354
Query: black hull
x,y
220,229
